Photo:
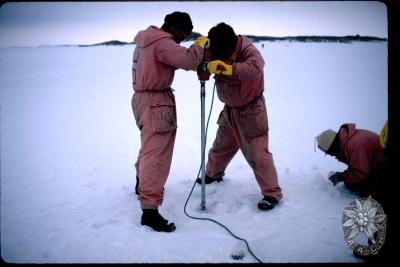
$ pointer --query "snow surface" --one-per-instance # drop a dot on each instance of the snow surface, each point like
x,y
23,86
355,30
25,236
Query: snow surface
x,y
69,143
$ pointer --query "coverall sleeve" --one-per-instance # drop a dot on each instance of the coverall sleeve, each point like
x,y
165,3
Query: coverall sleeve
x,y
251,68
172,54
358,167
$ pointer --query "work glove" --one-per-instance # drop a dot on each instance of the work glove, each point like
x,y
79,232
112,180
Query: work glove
x,y
218,67
202,41
335,178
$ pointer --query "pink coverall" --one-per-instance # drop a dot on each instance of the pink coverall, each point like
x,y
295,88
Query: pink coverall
x,y
243,123
361,150
155,59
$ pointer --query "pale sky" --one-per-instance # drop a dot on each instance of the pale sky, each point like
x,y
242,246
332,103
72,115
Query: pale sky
x,y
53,23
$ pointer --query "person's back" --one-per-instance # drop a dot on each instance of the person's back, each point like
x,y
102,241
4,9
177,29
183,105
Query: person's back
x,y
370,141
156,58
361,150
147,72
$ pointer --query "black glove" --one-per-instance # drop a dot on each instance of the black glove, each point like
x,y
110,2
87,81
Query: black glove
x,y
336,178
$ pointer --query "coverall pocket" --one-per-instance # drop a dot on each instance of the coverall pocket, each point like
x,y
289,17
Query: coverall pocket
x,y
163,116
253,120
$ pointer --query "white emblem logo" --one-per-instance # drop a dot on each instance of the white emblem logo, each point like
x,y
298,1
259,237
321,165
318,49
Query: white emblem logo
x,y
364,216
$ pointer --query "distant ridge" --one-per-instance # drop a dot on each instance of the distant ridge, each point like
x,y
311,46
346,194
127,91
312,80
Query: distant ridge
x,y
341,39
255,38
113,42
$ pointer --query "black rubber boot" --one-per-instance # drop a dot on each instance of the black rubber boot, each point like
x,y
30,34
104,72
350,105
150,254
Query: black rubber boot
x,y
152,218
209,180
267,203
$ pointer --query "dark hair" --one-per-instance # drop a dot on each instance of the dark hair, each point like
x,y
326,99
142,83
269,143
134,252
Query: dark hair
x,y
180,20
223,40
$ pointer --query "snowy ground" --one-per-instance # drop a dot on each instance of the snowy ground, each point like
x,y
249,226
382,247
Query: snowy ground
x,y
69,142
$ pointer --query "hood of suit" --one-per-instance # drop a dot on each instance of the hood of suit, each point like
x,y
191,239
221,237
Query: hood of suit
x,y
150,35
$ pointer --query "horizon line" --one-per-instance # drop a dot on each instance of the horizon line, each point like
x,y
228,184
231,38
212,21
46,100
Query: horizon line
x,y
257,37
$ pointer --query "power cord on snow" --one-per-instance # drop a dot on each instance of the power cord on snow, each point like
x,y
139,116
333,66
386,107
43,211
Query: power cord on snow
x,y
191,191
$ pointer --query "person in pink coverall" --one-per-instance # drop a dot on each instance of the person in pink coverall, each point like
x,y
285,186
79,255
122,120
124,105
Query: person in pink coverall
x,y
156,57
243,122
362,152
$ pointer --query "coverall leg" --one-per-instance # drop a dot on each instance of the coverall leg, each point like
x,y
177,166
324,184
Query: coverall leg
x,y
156,119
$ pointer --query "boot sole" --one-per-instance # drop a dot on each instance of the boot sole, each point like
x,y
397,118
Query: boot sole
x,y
263,207
198,180
168,228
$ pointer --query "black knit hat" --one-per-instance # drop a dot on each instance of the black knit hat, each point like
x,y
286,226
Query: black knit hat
x,y
180,20
223,40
